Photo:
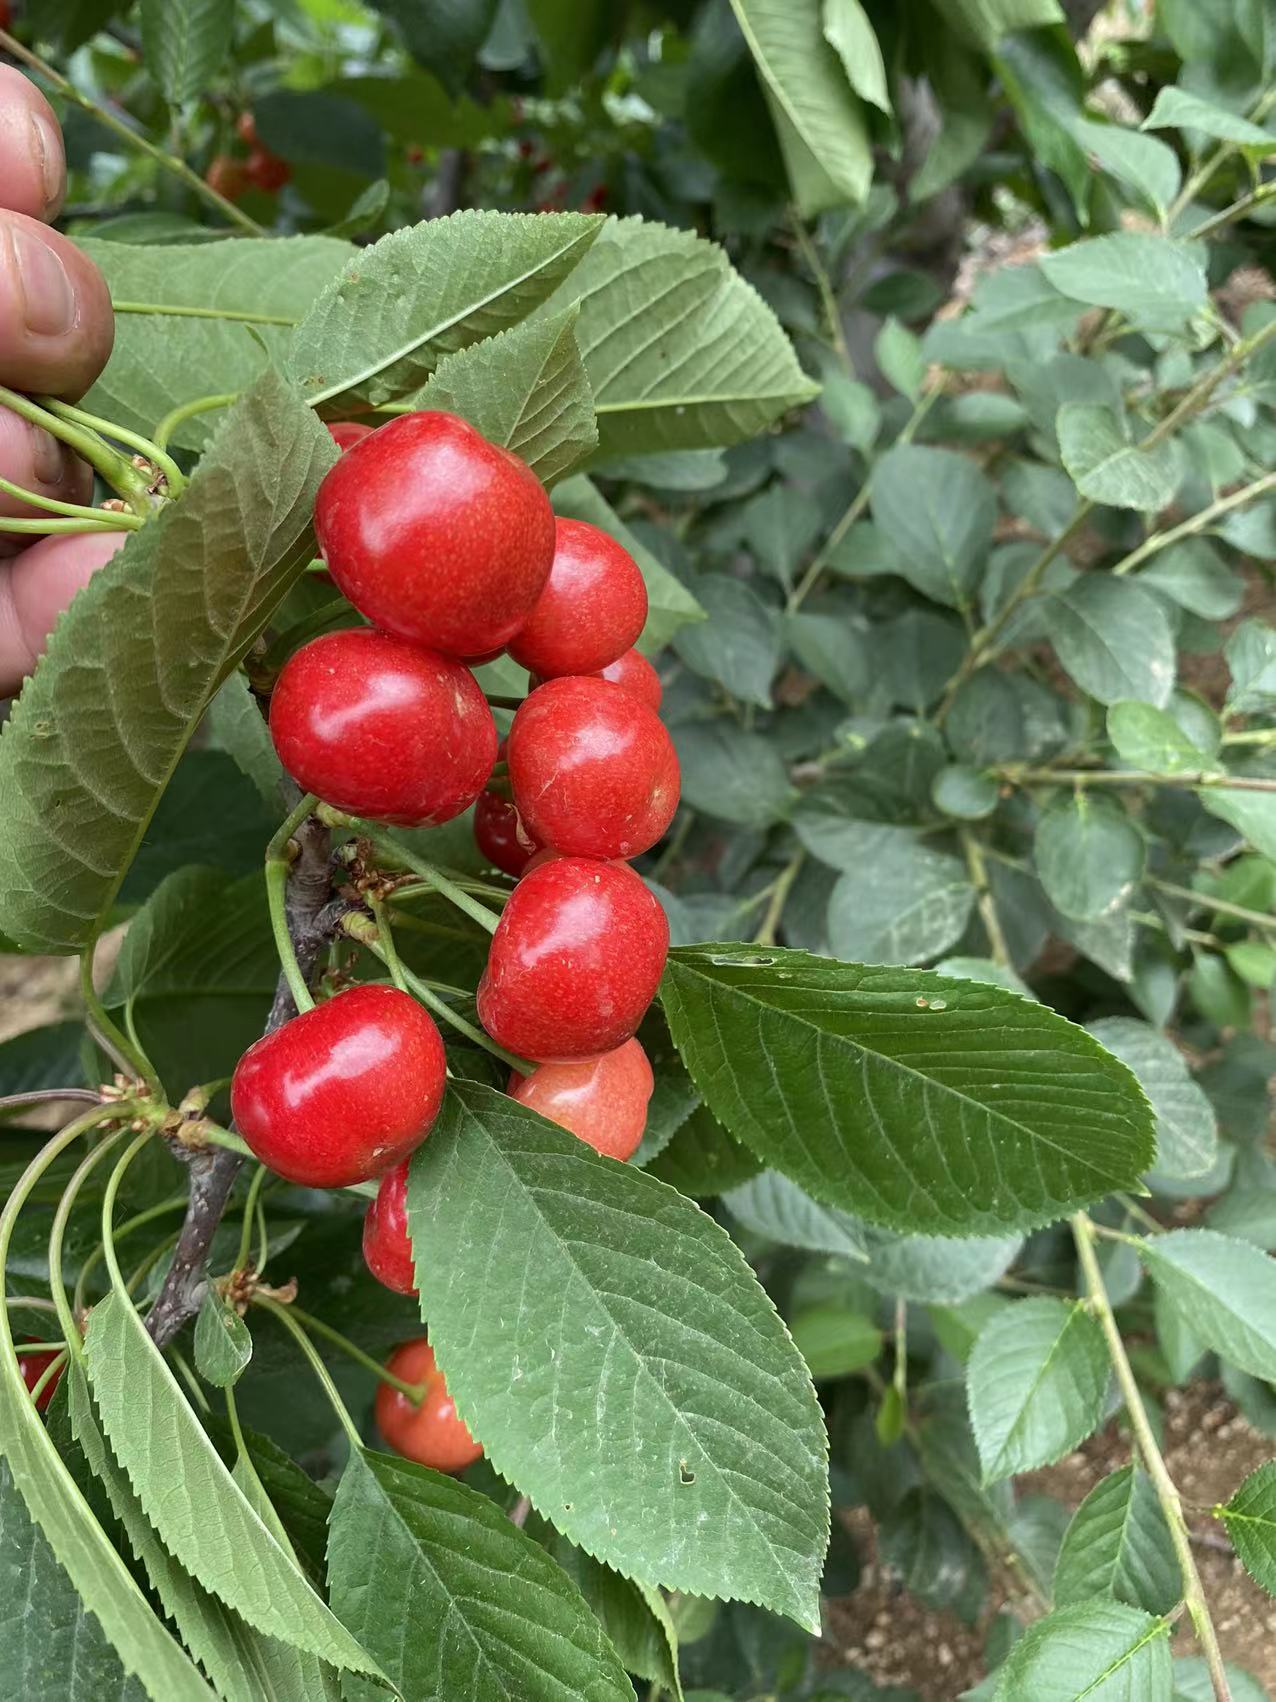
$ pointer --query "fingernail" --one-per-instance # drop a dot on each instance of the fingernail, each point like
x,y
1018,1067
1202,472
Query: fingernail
x,y
46,458
46,151
49,305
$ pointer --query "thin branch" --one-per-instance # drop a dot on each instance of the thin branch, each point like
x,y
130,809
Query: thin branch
x,y
134,138
986,904
1166,1489
213,1171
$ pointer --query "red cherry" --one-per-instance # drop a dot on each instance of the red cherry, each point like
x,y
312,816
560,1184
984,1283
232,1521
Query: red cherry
x,y
602,1100
267,171
383,728
346,433
246,129
34,1366
575,960
633,673
387,1247
227,176
592,610
593,769
500,835
432,1434
344,1091
437,535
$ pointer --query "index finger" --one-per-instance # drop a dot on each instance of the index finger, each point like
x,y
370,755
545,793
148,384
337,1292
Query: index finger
x,y
32,160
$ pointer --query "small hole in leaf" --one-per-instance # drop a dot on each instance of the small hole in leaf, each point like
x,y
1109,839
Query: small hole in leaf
x,y
685,1476
755,961
567,1506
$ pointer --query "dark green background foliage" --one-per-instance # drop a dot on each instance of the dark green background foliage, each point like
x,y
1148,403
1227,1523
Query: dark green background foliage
x,y
924,356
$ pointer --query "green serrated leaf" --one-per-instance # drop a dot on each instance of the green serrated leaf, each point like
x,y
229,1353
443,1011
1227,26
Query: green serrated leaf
x,y
131,667
869,1087
1036,1382
1226,1288
1156,282
1186,1126
1250,1518
186,1492
223,1344
382,325
834,1341
986,21
1179,109
1102,1651
1114,640
161,361
1089,856
525,389
738,644
734,775
808,85
937,509
492,1616
681,352
55,1650
905,908
97,1573
1118,1545
772,1206
658,1347
936,1268
184,43
1152,739
237,726
244,1664
702,1161
1109,466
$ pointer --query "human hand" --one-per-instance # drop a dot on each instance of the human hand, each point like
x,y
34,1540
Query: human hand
x,y
56,331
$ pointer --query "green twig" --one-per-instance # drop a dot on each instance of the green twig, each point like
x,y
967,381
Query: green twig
x,y
401,856
388,953
57,1234
108,429
98,517
1166,1490
1021,776
278,862
414,1391
283,1314
1220,906
134,138
122,1051
187,411
246,1228
1159,541
782,886
984,900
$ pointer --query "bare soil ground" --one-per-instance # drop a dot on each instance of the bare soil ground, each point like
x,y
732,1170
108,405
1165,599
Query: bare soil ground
x,y
1209,1448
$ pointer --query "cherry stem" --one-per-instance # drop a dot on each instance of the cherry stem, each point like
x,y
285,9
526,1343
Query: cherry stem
x,y
285,1317
250,1210
403,857
109,522
414,1391
46,1096
360,929
108,429
57,1234
38,1347
123,1052
104,517
52,1370
389,953
188,410
174,1203
122,476
278,862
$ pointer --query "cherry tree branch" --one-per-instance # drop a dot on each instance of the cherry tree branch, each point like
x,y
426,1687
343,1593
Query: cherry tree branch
x,y
213,1170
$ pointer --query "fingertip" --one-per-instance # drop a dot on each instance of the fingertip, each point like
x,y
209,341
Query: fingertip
x,y
34,177
56,323
36,587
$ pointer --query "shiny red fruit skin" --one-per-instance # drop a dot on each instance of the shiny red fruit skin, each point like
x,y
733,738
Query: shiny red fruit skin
x,y
593,769
602,1100
387,1246
383,728
432,1434
437,535
342,1092
633,673
500,834
591,611
34,1366
576,959
346,433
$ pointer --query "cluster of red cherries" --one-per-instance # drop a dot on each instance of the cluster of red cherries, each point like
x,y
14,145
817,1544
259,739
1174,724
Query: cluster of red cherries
x,y
448,546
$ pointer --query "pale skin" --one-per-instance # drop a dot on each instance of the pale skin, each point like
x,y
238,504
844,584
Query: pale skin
x,y
56,329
